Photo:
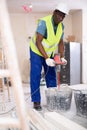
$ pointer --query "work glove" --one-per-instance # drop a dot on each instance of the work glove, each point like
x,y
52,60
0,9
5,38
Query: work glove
x,y
63,60
50,62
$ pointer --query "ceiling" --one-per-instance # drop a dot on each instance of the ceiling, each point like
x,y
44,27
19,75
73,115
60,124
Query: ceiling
x,y
16,6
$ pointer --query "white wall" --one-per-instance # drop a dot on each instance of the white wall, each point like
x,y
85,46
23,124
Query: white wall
x,y
18,22
77,25
23,26
84,46
67,26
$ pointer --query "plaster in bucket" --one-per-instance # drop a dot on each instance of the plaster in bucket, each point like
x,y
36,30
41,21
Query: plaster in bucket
x,y
59,99
81,102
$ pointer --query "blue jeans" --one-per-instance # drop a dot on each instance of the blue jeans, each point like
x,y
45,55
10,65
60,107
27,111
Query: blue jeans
x,y
36,63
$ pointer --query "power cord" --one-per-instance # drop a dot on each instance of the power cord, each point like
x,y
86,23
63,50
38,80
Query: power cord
x,y
13,108
39,86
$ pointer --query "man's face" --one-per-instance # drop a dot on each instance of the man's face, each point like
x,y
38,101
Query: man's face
x,y
58,16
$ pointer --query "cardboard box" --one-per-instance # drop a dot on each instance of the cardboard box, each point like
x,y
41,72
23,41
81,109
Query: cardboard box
x,y
70,38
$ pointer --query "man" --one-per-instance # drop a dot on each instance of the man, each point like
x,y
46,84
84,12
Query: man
x,y
48,36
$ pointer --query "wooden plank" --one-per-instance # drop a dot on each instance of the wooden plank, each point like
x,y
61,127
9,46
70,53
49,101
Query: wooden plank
x,y
1,83
6,122
39,122
62,122
8,45
4,73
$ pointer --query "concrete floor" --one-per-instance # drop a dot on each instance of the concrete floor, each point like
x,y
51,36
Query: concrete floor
x,y
71,113
8,107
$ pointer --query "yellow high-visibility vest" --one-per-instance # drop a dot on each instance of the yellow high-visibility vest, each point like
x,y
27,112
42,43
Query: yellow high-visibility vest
x,y
49,44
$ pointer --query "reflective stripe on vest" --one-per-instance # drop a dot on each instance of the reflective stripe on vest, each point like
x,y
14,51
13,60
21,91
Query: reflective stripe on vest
x,y
49,44
48,53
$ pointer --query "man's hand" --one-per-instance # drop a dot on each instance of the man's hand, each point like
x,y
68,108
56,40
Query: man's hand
x,y
50,62
64,60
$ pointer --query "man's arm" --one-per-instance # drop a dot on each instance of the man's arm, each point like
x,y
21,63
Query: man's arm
x,y
61,51
39,39
40,34
61,48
